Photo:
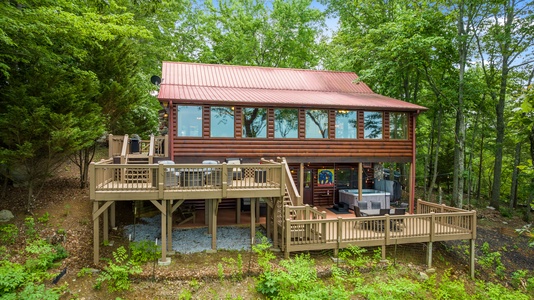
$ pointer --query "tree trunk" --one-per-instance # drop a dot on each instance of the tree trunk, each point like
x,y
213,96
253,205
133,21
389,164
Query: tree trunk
x,y
480,159
82,158
513,190
436,155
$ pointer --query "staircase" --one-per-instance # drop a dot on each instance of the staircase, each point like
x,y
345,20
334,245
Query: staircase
x,y
133,175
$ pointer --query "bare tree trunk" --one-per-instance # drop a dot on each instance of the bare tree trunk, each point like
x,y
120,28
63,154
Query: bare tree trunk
x,y
513,190
82,158
436,155
470,168
480,158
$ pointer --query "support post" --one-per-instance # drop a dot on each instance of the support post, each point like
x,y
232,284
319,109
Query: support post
x,y
472,260
169,227
96,234
238,211
214,209
301,183
105,226
275,221
253,217
429,255
113,215
360,184
164,259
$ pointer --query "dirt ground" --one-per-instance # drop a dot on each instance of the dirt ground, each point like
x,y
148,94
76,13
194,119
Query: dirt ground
x,y
70,209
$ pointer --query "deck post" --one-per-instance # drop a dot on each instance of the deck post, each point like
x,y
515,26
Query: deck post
x,y
209,213
287,237
472,260
112,212
429,255
206,212
96,234
253,217
238,211
169,227
105,226
275,222
164,209
301,184
214,210
268,223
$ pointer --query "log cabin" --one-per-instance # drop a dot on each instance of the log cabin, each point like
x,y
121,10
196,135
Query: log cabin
x,y
294,139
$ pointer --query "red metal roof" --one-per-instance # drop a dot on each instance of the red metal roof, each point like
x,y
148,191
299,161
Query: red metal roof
x,y
244,85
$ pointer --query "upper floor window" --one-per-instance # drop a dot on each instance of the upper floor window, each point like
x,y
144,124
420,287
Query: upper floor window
x,y
398,126
189,119
221,121
346,124
373,123
317,124
286,123
254,122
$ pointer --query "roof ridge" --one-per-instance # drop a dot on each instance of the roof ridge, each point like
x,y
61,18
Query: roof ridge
x,y
258,67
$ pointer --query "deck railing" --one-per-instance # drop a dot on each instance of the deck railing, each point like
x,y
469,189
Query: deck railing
x,y
183,181
319,233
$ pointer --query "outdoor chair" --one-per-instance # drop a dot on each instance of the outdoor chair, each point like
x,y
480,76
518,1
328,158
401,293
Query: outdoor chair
x,y
359,214
185,213
376,205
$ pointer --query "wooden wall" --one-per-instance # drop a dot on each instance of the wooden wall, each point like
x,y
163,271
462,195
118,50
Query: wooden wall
x,y
189,150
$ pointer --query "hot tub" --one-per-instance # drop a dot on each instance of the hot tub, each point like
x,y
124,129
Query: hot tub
x,y
370,198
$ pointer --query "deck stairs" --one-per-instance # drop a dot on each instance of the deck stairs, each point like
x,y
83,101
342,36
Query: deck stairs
x,y
140,175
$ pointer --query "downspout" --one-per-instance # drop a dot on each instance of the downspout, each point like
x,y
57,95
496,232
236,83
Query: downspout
x,y
171,130
412,183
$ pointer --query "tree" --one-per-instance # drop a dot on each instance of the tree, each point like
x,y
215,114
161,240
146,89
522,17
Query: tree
x,y
257,33
505,41
46,91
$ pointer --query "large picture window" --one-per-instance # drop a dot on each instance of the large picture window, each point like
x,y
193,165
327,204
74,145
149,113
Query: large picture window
x,y
222,122
286,123
189,119
254,122
346,124
373,123
398,126
316,124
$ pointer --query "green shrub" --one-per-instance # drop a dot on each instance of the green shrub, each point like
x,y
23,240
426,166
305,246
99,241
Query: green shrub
x,y
12,276
8,233
144,251
117,274
31,232
235,266
262,250
43,255
491,260
38,292
491,291
44,218
354,256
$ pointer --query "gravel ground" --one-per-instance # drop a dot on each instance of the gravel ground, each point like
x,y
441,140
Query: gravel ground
x,y
192,240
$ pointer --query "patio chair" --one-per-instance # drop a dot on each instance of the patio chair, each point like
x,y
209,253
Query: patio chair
x,y
359,214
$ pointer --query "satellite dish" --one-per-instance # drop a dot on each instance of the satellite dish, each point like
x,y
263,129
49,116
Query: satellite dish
x,y
155,80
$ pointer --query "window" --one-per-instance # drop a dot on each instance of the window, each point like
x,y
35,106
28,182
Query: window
x,y
222,122
346,124
189,120
286,123
398,126
373,122
255,122
317,124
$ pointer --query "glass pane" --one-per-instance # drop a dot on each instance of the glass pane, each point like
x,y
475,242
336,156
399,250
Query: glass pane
x,y
286,123
372,125
317,124
222,122
189,121
346,124
255,122
398,126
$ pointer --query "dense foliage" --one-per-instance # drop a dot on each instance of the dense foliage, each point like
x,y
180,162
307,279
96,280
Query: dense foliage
x,y
72,70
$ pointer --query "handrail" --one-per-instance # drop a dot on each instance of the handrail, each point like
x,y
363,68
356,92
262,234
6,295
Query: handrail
x,y
428,207
124,151
322,234
151,150
291,188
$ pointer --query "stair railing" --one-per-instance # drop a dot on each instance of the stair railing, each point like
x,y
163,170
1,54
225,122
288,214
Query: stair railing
x,y
124,151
